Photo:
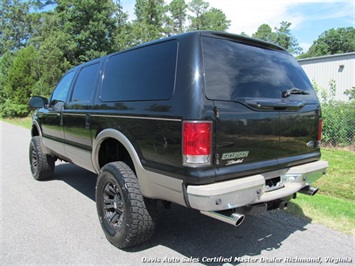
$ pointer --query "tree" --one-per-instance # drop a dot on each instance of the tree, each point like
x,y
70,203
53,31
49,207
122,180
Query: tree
x,y
215,19
90,24
198,8
350,93
6,61
284,38
264,33
57,50
333,41
177,9
204,18
281,36
19,84
123,30
15,29
150,20
244,34
40,4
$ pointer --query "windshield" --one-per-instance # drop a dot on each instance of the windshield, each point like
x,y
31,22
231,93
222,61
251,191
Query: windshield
x,y
238,71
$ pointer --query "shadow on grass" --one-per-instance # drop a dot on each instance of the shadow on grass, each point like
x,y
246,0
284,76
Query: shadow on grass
x,y
294,209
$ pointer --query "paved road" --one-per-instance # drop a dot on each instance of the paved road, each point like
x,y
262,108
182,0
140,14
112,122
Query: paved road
x,y
55,222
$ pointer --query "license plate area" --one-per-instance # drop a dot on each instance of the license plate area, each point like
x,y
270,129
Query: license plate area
x,y
273,184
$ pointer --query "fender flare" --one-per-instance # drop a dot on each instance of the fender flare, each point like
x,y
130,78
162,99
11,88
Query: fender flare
x,y
120,137
39,130
38,127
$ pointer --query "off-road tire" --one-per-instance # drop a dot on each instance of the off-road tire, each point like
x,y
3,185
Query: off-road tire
x,y
42,165
126,217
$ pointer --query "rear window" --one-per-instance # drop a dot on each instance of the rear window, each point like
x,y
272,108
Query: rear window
x,y
236,71
146,73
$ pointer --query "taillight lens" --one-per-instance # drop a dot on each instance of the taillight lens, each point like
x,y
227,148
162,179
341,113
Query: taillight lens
x,y
197,143
320,129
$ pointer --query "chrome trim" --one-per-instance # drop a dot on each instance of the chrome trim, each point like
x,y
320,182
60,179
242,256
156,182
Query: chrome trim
x,y
138,117
72,113
226,195
235,219
251,190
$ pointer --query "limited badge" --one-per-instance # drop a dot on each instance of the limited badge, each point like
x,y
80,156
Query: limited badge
x,y
230,162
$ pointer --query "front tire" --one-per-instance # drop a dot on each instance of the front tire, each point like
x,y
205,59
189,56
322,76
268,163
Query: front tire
x,y
126,217
42,165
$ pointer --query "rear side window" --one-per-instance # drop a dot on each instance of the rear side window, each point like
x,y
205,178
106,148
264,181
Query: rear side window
x,y
236,71
85,83
147,73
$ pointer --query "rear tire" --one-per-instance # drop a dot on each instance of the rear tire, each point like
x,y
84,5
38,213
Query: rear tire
x,y
42,165
126,217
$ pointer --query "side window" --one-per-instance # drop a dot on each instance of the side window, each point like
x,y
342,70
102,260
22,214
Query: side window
x,y
142,74
60,93
84,84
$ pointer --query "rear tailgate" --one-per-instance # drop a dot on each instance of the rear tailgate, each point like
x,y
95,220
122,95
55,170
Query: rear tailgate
x,y
298,135
266,110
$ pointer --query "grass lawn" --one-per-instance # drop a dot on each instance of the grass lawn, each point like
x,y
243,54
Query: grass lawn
x,y
23,122
333,205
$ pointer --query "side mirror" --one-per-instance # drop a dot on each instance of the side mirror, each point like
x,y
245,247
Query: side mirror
x,y
38,102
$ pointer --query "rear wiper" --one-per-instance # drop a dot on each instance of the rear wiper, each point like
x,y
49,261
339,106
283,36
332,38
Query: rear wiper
x,y
287,93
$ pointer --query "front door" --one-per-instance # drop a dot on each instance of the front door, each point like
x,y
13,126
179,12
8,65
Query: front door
x,y
52,118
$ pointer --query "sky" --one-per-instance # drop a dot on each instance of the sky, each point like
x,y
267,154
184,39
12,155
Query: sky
x,y
309,18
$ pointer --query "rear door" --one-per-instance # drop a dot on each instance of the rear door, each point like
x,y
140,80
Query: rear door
x,y
77,115
259,118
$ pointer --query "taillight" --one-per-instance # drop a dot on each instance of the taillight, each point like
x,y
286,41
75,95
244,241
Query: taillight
x,y
197,143
320,129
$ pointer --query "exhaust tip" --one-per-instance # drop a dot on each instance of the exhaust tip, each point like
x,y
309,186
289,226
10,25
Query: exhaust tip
x,y
283,205
310,191
313,191
235,219
239,218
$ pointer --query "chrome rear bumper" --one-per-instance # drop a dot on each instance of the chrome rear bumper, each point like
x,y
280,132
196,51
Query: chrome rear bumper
x,y
252,189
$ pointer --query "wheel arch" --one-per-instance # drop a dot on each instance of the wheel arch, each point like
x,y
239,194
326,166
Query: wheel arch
x,y
36,129
114,134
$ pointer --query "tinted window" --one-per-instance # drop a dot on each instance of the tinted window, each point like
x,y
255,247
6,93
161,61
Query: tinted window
x,y
85,83
60,93
143,74
235,70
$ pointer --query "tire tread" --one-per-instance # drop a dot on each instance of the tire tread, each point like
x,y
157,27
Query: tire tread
x,y
142,211
45,163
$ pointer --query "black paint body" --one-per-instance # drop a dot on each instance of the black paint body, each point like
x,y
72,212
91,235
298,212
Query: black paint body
x,y
272,129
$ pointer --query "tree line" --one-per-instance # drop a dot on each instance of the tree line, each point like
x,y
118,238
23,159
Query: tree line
x,y
41,39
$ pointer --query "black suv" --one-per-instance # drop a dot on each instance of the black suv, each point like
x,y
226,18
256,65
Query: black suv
x,y
212,121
